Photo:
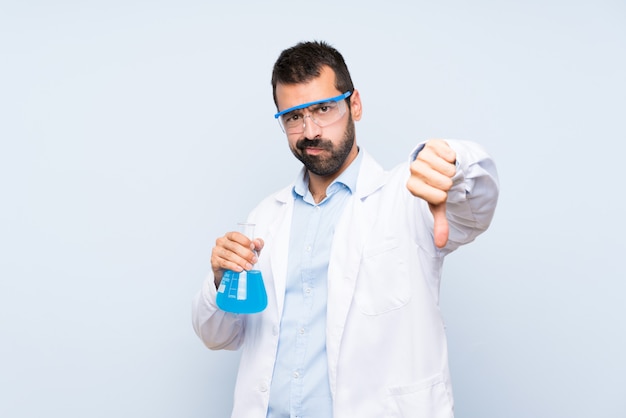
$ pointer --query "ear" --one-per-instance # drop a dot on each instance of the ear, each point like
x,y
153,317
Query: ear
x,y
355,105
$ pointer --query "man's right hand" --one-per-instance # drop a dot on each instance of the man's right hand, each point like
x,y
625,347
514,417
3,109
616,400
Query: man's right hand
x,y
234,251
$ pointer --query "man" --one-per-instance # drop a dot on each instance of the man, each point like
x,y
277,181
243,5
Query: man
x,y
351,259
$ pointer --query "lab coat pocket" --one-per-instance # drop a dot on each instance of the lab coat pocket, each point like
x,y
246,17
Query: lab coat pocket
x,y
428,398
382,284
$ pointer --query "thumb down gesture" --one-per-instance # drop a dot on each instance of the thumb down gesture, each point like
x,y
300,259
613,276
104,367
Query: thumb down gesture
x,y
431,179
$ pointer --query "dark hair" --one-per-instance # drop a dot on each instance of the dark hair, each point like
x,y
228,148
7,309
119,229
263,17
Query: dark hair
x,y
304,61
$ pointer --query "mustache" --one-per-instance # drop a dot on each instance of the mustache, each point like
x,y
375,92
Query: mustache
x,y
314,143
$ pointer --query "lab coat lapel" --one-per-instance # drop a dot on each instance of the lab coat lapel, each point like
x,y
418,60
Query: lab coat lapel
x,y
279,234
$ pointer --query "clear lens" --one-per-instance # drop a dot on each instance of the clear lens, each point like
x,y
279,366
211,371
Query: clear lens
x,y
322,114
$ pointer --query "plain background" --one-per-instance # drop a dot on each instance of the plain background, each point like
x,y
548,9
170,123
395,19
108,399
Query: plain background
x,y
133,133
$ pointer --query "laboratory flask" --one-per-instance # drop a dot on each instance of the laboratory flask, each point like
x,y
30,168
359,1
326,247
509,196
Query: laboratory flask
x,y
242,293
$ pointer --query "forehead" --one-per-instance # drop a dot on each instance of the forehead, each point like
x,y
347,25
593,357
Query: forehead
x,y
318,88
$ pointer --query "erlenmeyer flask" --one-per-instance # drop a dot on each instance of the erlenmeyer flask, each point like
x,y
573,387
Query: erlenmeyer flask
x,y
244,292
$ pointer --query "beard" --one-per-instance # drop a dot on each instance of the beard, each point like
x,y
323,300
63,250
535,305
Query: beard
x,y
325,166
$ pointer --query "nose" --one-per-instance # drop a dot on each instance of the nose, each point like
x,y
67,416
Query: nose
x,y
311,130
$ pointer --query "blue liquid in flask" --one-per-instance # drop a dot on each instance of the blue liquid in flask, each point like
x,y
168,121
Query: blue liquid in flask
x,y
242,293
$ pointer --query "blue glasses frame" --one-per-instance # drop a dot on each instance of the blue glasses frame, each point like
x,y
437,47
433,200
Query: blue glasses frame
x,y
304,105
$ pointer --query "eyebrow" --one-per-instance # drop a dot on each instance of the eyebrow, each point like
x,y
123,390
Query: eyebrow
x,y
302,106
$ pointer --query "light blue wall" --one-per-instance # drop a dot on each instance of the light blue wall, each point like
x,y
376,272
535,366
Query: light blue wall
x,y
132,134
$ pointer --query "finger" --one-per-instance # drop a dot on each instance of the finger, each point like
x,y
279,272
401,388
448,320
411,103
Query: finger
x,y
258,245
437,177
241,245
439,156
440,228
239,238
432,195
222,260
442,149
233,252
426,164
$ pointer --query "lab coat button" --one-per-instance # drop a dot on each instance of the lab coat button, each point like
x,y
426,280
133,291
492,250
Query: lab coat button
x,y
263,387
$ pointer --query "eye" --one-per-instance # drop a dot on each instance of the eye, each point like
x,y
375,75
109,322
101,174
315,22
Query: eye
x,y
291,117
324,107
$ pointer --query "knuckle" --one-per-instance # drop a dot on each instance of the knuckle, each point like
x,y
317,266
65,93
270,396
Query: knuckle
x,y
439,197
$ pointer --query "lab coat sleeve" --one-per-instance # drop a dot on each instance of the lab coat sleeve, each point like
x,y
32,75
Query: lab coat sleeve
x,y
217,329
474,194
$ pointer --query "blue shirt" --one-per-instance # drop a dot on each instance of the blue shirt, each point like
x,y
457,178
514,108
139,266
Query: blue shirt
x,y
300,386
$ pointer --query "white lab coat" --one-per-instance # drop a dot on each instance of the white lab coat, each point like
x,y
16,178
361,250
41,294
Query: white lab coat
x,y
385,338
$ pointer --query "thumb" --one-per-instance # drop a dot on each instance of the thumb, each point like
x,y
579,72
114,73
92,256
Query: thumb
x,y
440,229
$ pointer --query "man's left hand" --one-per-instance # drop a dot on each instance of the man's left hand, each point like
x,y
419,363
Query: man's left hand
x,y
431,179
